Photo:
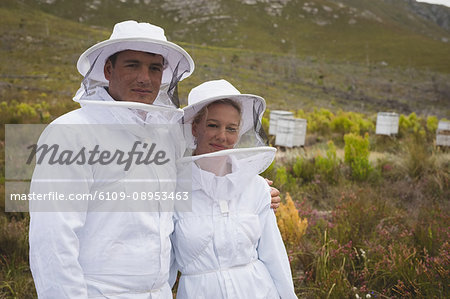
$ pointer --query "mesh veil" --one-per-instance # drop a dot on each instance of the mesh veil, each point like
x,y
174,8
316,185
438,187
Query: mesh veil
x,y
251,132
168,94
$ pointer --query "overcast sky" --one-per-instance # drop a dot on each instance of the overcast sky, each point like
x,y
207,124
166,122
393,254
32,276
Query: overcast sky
x,y
443,2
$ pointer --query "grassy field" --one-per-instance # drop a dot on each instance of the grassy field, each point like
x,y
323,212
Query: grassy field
x,y
369,215
362,214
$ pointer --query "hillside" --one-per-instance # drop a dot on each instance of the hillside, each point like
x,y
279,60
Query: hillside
x,y
398,32
354,55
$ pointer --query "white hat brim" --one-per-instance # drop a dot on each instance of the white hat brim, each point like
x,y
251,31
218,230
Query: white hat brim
x,y
247,106
256,159
99,53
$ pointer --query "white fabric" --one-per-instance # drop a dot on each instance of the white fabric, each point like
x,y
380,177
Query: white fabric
x,y
214,90
101,254
250,160
154,114
131,35
252,108
229,246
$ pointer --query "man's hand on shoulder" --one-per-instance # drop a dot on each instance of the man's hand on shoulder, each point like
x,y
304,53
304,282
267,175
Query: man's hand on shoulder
x,y
275,194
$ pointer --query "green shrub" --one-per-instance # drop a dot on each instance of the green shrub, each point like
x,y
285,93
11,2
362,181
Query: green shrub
x,y
300,114
14,112
328,167
15,275
343,124
281,177
320,121
411,125
417,158
304,169
265,125
432,124
357,155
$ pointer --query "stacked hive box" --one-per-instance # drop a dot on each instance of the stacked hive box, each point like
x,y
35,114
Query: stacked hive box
x,y
291,132
274,116
387,123
443,133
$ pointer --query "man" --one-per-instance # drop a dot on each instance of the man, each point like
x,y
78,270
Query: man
x,y
91,249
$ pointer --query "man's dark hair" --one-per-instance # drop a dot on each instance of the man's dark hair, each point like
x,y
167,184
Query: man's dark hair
x,y
113,58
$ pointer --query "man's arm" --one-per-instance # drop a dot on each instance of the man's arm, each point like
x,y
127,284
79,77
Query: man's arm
x,y
54,250
55,225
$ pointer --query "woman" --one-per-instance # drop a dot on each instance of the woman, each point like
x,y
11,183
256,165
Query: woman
x,y
229,246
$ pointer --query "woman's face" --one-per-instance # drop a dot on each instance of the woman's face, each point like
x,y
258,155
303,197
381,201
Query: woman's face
x,y
217,130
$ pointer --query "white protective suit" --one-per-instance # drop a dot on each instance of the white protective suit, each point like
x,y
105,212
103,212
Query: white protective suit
x,y
230,245
85,253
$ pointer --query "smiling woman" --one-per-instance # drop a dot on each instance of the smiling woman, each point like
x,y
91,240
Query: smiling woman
x,y
228,245
216,126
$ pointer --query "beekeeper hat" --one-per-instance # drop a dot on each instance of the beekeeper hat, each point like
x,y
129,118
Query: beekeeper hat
x,y
131,35
252,107
214,90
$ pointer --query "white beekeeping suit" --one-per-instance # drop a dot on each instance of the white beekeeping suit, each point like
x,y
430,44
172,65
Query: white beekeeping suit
x,y
229,246
100,249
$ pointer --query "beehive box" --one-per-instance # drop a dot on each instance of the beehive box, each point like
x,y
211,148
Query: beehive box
x,y
387,123
291,132
443,133
274,116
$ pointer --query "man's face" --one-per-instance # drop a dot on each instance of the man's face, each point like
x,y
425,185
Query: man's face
x,y
135,77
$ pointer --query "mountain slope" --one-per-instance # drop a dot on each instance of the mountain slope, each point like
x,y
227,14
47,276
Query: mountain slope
x,y
38,53
398,32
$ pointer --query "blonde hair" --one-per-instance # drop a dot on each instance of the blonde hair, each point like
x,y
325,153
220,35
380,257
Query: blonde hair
x,y
199,116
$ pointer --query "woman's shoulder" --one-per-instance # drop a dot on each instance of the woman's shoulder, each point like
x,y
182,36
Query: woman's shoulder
x,y
259,192
261,182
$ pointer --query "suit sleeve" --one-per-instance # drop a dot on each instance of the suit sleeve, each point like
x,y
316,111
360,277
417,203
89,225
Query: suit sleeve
x,y
271,250
55,226
173,271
